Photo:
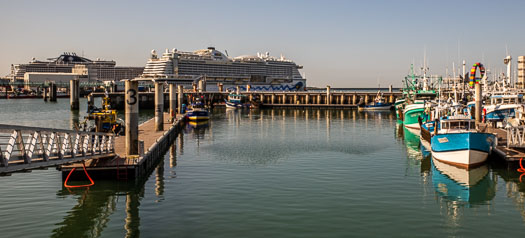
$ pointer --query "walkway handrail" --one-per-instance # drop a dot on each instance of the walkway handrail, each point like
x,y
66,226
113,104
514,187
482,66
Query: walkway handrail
x,y
26,147
516,137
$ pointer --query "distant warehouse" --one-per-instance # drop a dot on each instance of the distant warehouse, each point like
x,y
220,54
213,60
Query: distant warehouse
x,y
69,64
31,80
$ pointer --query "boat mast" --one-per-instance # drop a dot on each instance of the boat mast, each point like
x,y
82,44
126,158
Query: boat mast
x,y
464,80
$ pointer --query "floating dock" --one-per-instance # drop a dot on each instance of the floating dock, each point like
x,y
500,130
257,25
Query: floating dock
x,y
507,150
126,167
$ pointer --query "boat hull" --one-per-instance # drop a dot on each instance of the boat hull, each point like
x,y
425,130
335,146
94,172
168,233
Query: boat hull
x,y
410,117
198,115
375,108
464,150
233,104
501,114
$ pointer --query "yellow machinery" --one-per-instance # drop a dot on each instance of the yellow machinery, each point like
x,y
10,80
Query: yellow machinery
x,y
105,119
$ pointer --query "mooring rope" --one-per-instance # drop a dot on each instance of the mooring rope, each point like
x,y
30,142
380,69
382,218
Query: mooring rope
x,y
79,186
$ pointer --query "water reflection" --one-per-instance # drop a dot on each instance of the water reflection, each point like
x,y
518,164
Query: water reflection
x,y
467,187
453,189
95,205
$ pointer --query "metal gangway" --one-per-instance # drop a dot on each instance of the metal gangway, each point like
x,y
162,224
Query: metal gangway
x,y
516,137
24,148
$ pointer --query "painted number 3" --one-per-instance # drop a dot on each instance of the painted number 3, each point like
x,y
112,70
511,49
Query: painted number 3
x,y
132,96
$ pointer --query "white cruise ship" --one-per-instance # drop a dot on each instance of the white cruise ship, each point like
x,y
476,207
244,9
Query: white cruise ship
x,y
262,72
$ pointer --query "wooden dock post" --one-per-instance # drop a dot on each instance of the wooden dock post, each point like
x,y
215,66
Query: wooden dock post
x,y
273,98
74,94
173,101
180,97
328,95
159,106
220,86
132,117
366,98
354,99
248,88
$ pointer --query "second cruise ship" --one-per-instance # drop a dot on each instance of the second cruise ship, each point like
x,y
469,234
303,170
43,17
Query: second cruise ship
x,y
262,71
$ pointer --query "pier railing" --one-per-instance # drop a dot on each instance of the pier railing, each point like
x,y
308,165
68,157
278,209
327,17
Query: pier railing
x,y
23,148
516,137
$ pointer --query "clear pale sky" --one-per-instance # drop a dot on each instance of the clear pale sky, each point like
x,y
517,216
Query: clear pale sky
x,y
339,43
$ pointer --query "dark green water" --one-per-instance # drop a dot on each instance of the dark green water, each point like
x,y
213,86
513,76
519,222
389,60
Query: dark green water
x,y
269,173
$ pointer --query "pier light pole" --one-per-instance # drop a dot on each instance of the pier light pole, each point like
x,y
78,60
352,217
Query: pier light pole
x,y
132,117
159,106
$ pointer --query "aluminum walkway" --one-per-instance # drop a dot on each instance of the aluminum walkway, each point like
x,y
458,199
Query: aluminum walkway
x,y
24,148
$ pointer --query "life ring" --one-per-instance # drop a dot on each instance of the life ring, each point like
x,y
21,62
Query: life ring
x,y
473,73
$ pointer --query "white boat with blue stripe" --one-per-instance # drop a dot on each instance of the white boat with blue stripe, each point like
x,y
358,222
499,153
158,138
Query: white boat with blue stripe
x,y
502,106
459,143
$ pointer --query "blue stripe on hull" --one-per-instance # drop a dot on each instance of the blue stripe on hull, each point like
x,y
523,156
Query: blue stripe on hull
x,y
462,141
500,114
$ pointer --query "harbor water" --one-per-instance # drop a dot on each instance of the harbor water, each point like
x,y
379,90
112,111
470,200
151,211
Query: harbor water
x,y
268,173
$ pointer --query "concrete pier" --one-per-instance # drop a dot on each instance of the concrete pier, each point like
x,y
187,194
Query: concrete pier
x,y
159,106
310,99
132,118
74,94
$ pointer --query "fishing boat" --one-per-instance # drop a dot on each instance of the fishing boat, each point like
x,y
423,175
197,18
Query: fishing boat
x,y
103,119
399,106
503,106
235,101
197,111
379,104
457,141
